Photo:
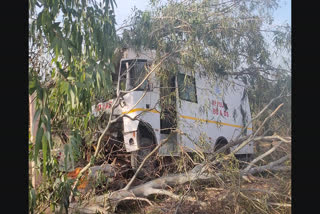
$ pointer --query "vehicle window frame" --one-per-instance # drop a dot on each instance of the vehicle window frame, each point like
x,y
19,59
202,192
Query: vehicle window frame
x,y
128,84
186,86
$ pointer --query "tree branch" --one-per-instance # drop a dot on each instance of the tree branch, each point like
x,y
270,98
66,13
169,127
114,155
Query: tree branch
x,y
262,156
144,160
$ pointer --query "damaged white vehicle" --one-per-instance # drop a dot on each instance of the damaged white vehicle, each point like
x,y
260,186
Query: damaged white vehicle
x,y
208,113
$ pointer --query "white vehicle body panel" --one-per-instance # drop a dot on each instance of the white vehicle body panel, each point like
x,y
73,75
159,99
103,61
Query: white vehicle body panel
x,y
203,121
208,119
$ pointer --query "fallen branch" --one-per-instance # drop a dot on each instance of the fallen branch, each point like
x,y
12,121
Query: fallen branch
x,y
144,160
273,166
247,139
110,121
260,113
159,185
138,198
280,204
252,136
262,156
107,170
199,172
265,191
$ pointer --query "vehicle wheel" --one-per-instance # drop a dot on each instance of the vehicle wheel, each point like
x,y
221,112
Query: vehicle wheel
x,y
221,142
146,146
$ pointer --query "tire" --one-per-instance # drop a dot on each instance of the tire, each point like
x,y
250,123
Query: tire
x,y
146,147
221,142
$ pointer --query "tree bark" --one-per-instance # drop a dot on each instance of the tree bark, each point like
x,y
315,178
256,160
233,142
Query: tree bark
x,y
33,127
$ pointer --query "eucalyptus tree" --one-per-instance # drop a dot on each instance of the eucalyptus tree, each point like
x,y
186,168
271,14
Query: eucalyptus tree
x,y
221,38
71,44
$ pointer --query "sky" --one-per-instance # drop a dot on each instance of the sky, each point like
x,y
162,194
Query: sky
x,y
283,13
124,9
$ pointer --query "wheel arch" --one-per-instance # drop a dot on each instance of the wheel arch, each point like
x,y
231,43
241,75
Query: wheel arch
x,y
145,130
220,142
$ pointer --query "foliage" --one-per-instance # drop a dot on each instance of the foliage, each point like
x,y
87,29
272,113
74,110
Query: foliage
x,y
74,49
261,93
216,36
53,192
220,39
71,44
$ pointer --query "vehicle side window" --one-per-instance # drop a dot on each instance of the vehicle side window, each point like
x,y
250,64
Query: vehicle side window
x,y
135,70
123,77
187,88
137,74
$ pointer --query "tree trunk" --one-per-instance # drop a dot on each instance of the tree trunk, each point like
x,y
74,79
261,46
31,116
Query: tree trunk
x,y
33,131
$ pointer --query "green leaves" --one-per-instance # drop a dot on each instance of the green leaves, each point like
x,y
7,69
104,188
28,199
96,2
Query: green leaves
x,y
32,199
43,140
202,35
64,87
75,141
66,40
68,156
32,85
66,52
38,143
45,154
85,24
72,150
72,95
98,79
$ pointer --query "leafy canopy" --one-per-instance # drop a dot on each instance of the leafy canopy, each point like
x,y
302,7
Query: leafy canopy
x,y
71,44
219,37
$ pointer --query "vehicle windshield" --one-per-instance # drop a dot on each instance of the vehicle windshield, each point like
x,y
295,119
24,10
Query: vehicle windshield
x,y
136,73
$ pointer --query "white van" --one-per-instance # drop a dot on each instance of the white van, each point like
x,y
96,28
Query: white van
x,y
208,113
